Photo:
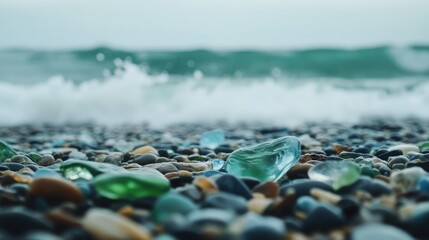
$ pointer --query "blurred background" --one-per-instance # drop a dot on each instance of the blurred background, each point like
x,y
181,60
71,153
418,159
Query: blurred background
x,y
163,62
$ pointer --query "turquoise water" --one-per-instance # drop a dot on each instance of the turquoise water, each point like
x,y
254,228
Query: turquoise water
x,y
112,86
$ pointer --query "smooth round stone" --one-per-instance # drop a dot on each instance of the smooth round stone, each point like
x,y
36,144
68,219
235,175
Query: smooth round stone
x,y
398,159
379,231
144,149
75,169
405,180
20,221
269,189
419,218
374,187
46,160
405,148
163,168
392,153
20,159
144,159
172,204
230,184
131,185
104,224
336,174
78,155
302,187
306,204
265,161
46,172
349,206
206,185
258,227
210,216
323,218
13,166
55,190
112,159
5,152
223,200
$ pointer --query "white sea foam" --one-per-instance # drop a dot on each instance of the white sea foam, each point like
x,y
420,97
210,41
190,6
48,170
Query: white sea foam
x,y
132,96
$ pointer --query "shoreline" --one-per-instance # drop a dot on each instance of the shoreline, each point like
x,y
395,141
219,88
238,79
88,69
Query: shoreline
x,y
59,182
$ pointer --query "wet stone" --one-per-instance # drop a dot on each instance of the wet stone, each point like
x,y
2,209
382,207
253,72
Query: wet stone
x,y
379,231
59,190
227,201
170,205
144,159
19,221
302,187
231,184
405,181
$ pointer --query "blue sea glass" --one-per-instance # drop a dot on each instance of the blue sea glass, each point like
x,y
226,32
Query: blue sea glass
x,y
212,139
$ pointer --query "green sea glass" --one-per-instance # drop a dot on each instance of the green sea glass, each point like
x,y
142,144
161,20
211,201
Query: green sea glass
x,y
131,185
424,146
337,174
5,152
265,161
75,169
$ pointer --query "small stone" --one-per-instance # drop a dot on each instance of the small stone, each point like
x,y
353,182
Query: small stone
x,y
259,204
230,184
145,149
379,231
405,180
19,221
144,159
303,187
265,161
131,185
107,225
207,216
46,160
5,152
78,155
20,159
323,218
269,189
212,139
223,200
337,174
206,185
170,205
405,148
112,159
55,190
163,167
258,227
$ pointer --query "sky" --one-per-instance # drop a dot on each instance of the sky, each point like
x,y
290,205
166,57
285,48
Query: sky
x,y
215,24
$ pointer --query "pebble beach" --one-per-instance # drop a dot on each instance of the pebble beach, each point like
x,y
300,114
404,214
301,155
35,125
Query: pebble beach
x,y
367,180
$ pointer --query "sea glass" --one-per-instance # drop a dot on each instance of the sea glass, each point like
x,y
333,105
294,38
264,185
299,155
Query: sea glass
x,y
265,161
337,174
131,185
424,146
217,164
212,139
80,169
5,152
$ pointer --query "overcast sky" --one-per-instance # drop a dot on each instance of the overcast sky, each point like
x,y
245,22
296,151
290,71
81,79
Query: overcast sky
x,y
218,24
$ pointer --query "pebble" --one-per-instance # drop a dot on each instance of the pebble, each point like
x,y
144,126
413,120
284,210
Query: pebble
x,y
379,231
106,225
405,181
231,184
59,190
269,189
405,148
226,201
145,149
170,205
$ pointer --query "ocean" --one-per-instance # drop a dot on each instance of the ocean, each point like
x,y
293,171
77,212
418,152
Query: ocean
x,y
288,87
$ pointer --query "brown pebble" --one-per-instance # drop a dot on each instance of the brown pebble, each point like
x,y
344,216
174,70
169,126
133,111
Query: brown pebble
x,y
269,189
126,211
285,206
305,158
56,190
9,177
259,205
339,148
325,196
383,178
164,167
106,225
61,219
206,185
299,169
132,165
180,173
145,149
